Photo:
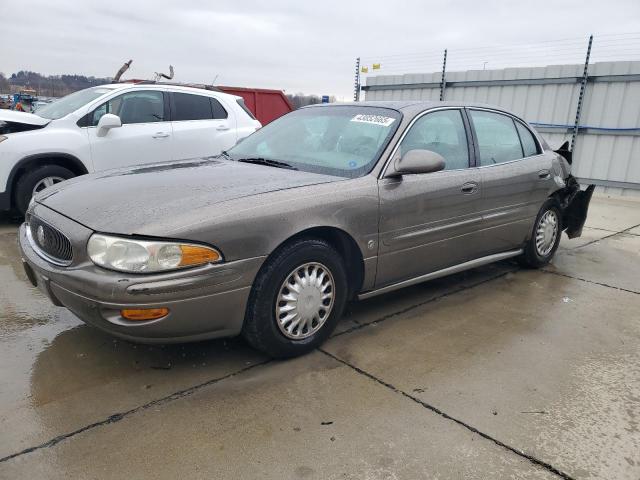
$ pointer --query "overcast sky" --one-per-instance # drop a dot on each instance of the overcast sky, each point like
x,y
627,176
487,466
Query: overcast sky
x,y
298,46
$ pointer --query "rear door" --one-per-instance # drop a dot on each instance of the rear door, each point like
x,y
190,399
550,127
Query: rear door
x,y
431,221
145,134
202,126
516,176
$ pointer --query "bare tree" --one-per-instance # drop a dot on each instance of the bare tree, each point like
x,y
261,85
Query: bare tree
x,y
4,84
123,69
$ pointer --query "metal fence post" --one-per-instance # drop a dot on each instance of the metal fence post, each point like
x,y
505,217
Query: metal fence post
x,y
356,91
443,81
583,86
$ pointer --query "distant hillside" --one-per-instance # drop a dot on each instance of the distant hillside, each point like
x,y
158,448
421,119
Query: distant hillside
x,y
61,85
51,85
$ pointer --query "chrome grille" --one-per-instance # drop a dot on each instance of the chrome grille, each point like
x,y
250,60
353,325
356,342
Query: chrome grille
x,y
50,242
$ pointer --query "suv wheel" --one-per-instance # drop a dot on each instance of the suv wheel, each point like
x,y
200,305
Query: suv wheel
x,y
297,299
545,237
34,181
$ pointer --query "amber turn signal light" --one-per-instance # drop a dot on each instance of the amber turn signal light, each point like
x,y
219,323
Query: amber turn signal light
x,y
195,255
142,314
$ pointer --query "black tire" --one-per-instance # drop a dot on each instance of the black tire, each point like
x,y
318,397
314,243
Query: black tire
x,y
27,182
532,257
261,328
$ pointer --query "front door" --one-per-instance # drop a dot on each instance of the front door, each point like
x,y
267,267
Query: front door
x,y
144,137
431,221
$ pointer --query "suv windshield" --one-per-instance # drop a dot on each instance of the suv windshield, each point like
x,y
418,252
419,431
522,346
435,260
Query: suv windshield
x,y
344,141
70,103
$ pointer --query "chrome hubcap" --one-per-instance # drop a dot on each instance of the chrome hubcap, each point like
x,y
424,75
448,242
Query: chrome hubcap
x,y
546,233
305,301
46,182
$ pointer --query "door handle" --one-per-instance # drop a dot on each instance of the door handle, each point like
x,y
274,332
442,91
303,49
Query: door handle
x,y
544,174
222,128
469,188
160,135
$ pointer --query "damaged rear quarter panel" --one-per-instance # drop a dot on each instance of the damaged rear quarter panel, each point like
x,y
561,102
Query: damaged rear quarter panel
x,y
574,202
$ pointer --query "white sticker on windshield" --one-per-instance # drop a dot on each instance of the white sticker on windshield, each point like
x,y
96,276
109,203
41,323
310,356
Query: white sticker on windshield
x,y
375,119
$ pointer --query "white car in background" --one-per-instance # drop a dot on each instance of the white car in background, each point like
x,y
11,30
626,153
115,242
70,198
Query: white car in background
x,y
114,126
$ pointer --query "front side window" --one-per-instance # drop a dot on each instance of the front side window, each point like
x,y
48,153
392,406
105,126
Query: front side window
x,y
133,107
442,132
344,141
497,137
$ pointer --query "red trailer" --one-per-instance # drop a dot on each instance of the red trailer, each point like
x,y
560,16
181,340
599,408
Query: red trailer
x,y
266,105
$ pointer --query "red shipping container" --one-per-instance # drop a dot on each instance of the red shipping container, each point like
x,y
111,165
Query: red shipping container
x,y
266,105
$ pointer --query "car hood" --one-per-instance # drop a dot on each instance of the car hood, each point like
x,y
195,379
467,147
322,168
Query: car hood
x,y
22,117
156,199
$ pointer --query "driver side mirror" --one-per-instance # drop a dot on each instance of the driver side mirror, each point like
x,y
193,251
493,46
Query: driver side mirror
x,y
106,123
418,161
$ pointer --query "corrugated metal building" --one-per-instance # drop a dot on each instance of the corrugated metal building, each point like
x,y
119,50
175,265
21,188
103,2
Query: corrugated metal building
x,y
607,149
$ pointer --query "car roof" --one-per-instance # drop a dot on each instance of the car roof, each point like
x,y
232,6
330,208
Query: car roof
x,y
413,107
146,85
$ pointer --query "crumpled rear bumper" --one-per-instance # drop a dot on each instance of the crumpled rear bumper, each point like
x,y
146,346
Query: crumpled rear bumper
x,y
575,205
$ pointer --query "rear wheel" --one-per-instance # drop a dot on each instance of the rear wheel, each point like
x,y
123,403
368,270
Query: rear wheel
x,y
297,299
545,237
37,180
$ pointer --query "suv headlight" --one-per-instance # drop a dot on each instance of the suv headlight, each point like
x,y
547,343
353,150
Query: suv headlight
x,y
3,138
142,256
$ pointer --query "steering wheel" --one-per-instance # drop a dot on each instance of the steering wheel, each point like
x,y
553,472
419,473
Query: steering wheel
x,y
364,147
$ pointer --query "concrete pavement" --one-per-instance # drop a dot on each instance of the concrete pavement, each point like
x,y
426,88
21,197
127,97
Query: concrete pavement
x,y
494,373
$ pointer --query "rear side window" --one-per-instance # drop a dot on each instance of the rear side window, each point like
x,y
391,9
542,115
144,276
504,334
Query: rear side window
x,y
218,110
529,145
190,107
497,137
245,108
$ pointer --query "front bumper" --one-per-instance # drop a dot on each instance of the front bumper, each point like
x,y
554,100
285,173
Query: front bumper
x,y
205,302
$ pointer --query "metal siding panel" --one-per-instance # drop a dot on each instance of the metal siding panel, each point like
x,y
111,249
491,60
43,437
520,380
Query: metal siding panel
x,y
610,104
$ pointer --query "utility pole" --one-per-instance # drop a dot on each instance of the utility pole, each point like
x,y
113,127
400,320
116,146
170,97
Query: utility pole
x,y
583,87
356,91
443,81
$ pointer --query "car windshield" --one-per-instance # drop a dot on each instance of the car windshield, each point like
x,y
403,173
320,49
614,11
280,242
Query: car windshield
x,y
70,103
339,140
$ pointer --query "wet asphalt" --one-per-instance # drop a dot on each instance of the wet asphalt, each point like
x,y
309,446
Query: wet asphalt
x,y
498,372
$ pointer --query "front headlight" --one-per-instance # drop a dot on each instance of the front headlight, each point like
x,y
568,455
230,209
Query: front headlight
x,y
3,138
142,256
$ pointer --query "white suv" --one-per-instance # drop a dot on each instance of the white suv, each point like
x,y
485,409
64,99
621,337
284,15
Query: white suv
x,y
114,126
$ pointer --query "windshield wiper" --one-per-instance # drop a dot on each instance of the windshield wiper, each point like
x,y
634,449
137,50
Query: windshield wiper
x,y
268,162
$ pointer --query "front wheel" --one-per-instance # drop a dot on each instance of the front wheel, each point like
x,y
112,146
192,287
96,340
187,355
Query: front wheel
x,y
297,299
545,237
37,180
